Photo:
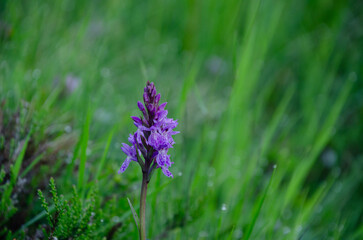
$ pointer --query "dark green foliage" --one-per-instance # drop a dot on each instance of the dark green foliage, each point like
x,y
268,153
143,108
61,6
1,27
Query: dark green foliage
x,y
73,218
22,151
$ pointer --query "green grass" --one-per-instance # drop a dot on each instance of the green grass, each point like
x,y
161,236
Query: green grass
x,y
254,84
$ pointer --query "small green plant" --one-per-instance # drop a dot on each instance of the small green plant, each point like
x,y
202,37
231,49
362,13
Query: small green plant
x,y
71,219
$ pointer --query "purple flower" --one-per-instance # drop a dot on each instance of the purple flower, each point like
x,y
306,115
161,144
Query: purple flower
x,y
153,136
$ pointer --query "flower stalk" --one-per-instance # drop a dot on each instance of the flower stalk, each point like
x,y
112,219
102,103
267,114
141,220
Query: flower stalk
x,y
142,229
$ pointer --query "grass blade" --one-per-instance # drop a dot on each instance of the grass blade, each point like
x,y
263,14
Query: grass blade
x,y
187,86
83,148
19,159
104,155
134,214
32,164
257,209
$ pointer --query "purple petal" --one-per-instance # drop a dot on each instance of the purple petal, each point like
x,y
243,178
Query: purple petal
x,y
160,159
141,107
124,165
170,123
151,86
146,97
162,114
157,98
167,172
127,149
159,140
163,159
150,107
131,139
138,134
162,106
137,121
154,140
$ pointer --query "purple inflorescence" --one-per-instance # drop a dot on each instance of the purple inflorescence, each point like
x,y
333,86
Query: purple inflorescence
x,y
153,136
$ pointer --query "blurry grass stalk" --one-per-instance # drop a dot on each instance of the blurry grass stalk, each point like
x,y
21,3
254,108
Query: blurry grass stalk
x,y
104,155
83,149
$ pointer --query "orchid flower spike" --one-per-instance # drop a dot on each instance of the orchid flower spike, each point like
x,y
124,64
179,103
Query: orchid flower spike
x,y
153,136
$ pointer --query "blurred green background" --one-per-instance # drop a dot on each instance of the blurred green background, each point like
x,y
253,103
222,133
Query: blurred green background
x,y
268,94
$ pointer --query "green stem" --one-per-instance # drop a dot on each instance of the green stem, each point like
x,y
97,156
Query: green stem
x,y
143,206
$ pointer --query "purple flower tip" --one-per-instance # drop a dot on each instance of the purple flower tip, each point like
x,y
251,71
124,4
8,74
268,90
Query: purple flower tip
x,y
153,137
